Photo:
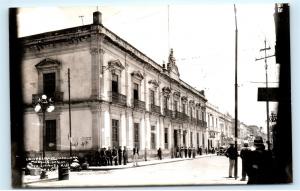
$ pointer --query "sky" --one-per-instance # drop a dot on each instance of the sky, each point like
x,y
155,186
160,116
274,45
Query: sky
x,y
203,39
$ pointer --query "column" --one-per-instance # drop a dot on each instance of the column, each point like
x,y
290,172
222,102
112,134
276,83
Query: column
x,y
106,127
148,132
143,133
162,134
96,127
130,131
157,133
170,135
123,129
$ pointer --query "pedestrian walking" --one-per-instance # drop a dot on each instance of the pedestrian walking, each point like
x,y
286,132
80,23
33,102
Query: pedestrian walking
x,y
135,156
259,170
200,150
231,153
205,150
125,156
245,157
159,154
120,155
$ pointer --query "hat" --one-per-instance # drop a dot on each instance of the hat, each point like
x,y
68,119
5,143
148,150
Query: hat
x,y
258,140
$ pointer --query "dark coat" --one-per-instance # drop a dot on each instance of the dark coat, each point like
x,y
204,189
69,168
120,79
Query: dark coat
x,y
259,168
231,153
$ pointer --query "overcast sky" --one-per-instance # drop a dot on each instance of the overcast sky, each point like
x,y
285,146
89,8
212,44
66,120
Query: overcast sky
x,y
203,39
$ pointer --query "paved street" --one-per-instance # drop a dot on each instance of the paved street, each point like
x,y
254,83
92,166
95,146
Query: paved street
x,y
207,170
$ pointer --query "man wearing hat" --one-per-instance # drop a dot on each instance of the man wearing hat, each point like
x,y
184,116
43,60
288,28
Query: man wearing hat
x,y
245,157
260,161
231,153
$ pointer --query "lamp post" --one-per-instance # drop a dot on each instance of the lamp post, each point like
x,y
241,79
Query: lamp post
x,y
44,104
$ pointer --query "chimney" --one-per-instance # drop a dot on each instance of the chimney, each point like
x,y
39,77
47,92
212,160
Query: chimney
x,y
97,18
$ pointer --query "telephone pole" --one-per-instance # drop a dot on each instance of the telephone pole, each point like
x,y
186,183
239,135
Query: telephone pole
x,y
236,96
70,126
267,95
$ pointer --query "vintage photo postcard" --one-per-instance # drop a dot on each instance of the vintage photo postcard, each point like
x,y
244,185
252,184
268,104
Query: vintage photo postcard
x,y
150,95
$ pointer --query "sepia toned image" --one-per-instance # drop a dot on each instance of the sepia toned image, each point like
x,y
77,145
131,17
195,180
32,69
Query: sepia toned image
x,y
150,95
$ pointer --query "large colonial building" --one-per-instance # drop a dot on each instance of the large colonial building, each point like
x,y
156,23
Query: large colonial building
x,y
118,95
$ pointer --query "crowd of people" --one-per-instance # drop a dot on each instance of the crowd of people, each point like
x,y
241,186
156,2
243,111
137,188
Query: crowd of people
x,y
108,157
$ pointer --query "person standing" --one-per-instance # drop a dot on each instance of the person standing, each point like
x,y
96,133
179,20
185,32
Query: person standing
x,y
115,155
259,169
120,155
231,153
125,156
245,157
159,154
109,156
135,156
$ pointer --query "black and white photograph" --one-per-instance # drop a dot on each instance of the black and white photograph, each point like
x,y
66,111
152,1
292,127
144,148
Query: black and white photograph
x,y
138,95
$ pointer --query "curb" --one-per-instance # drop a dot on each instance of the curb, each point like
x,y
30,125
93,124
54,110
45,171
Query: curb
x,y
95,168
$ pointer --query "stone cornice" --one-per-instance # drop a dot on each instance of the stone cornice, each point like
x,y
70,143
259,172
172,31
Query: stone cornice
x,y
81,34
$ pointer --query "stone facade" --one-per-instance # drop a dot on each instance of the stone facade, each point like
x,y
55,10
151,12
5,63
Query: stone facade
x,y
119,96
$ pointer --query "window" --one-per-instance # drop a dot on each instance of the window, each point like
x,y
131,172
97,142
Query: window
x,y
152,97
115,83
198,140
191,139
115,133
49,84
166,138
153,142
197,114
202,114
184,138
135,91
191,112
175,105
165,102
136,135
183,108
50,139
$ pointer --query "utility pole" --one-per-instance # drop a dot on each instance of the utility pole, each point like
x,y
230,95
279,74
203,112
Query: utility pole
x,y
267,96
236,96
70,125
81,17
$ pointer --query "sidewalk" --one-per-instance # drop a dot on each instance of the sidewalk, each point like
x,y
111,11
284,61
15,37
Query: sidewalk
x,y
146,163
53,175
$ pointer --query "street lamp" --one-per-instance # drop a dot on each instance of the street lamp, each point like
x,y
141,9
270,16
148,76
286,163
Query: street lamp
x,y
44,104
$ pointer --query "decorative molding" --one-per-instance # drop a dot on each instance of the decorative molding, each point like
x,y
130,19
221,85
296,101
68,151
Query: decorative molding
x,y
166,91
176,95
137,75
48,63
184,99
154,83
115,66
198,105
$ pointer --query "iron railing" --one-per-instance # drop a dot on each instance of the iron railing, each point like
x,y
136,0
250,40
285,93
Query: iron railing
x,y
117,98
55,97
139,104
155,108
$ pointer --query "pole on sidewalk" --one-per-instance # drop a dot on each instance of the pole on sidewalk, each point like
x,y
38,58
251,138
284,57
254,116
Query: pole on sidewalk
x,y
267,96
236,96
70,126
